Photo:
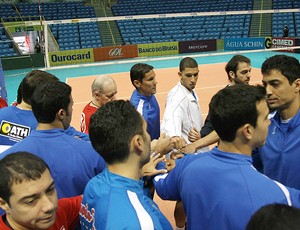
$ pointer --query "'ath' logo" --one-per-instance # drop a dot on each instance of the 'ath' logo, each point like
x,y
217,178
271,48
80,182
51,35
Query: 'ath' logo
x,y
14,131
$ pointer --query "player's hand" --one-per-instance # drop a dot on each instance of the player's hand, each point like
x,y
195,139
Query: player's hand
x,y
164,145
149,169
178,142
194,135
170,164
190,148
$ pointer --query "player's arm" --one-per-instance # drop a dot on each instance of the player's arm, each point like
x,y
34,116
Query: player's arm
x,y
210,139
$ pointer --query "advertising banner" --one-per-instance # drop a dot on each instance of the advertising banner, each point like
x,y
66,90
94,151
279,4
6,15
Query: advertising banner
x,y
115,52
197,46
158,49
244,43
280,42
71,57
268,42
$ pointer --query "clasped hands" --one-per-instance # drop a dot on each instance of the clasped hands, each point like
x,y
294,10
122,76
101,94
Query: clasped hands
x,y
159,148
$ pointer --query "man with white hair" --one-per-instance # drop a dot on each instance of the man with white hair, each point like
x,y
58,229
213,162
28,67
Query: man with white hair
x,y
104,89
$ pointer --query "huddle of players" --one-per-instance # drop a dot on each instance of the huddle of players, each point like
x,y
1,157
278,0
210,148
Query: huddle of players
x,y
222,181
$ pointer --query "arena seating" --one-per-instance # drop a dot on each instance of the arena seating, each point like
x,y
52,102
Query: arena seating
x,y
292,20
6,45
56,10
68,36
7,12
77,36
181,28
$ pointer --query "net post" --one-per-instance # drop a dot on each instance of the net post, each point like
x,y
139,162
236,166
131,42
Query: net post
x,y
47,62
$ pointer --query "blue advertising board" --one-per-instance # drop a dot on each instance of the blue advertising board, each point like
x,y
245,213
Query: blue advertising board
x,y
244,43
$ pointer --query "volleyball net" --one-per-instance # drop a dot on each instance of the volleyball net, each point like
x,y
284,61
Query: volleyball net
x,y
80,42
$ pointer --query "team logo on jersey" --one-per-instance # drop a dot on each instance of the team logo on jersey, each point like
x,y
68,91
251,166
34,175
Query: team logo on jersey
x,y
14,131
88,217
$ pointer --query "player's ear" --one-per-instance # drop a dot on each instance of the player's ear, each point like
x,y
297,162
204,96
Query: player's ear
x,y
247,131
137,143
60,114
96,94
231,75
4,205
137,84
297,85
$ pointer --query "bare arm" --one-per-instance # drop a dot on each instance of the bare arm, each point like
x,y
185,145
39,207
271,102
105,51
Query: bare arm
x,y
210,139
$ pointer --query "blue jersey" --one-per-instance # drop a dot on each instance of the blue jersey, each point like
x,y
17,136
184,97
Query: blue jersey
x,y
72,162
73,132
15,124
221,190
280,156
114,202
148,107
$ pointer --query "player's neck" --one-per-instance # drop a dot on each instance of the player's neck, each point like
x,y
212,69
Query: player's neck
x,y
48,126
94,104
291,111
130,171
24,106
12,224
235,147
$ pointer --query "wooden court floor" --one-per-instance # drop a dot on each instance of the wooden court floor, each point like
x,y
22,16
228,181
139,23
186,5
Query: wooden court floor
x,y
212,77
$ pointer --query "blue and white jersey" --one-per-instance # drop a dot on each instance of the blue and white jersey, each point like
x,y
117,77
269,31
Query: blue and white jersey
x,y
111,201
221,190
148,107
280,156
